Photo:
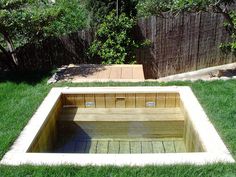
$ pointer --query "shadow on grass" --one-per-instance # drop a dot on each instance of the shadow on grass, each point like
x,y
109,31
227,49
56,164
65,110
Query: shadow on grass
x,y
31,78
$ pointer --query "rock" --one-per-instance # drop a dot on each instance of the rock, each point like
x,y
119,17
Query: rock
x,y
53,79
71,66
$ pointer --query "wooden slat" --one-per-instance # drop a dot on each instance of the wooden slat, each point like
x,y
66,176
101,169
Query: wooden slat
x,y
102,147
150,100
169,146
113,147
147,147
120,100
89,101
124,147
79,100
179,146
140,100
158,147
130,100
91,147
135,147
80,146
170,99
104,73
138,73
115,73
161,100
100,100
177,100
69,99
127,73
110,100
122,114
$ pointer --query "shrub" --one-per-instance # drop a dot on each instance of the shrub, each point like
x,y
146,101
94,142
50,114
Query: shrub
x,y
114,42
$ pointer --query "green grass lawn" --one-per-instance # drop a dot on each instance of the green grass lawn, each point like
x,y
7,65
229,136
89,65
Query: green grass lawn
x,y
20,95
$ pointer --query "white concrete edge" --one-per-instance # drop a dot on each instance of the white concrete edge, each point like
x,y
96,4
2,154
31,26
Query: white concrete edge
x,y
207,133
115,159
17,154
195,73
135,89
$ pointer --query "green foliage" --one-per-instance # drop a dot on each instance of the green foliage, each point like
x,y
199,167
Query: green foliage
x,y
114,43
230,47
32,20
99,9
153,7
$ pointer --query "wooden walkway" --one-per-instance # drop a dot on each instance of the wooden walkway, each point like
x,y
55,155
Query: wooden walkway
x,y
122,146
104,73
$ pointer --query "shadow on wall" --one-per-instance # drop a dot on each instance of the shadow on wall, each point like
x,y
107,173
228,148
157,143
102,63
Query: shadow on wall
x,y
83,70
55,52
145,55
29,77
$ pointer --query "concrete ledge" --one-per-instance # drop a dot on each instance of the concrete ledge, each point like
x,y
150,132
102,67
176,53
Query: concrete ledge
x,y
215,149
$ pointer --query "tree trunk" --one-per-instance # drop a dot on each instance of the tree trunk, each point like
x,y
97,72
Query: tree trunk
x,y
10,47
9,62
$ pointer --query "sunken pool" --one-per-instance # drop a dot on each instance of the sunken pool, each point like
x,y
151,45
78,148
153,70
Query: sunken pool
x,y
119,126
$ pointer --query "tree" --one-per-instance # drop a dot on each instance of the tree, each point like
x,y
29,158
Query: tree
x,y
114,41
28,21
99,9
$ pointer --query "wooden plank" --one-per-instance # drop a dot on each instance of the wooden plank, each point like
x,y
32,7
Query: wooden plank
x,y
79,100
120,100
124,147
147,147
135,147
110,100
122,114
170,99
104,73
102,147
140,100
69,99
69,147
169,146
150,100
89,101
91,147
177,100
127,73
130,100
158,147
80,146
113,147
138,73
179,146
115,73
161,100
100,100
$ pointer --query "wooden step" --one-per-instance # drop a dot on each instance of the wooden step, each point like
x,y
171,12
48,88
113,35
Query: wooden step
x,y
121,114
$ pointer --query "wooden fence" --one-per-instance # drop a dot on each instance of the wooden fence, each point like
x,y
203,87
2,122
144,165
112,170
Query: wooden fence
x,y
183,43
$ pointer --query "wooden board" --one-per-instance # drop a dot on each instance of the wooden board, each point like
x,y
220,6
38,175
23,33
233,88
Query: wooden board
x,y
121,114
123,100
127,146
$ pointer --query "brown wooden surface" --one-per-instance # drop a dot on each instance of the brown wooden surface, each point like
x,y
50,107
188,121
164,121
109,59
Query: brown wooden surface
x,y
107,73
129,100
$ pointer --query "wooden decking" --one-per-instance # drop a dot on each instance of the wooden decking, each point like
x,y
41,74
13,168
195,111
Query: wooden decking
x,y
122,146
103,73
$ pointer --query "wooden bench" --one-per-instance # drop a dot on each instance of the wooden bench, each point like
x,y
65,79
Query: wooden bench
x,y
121,114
